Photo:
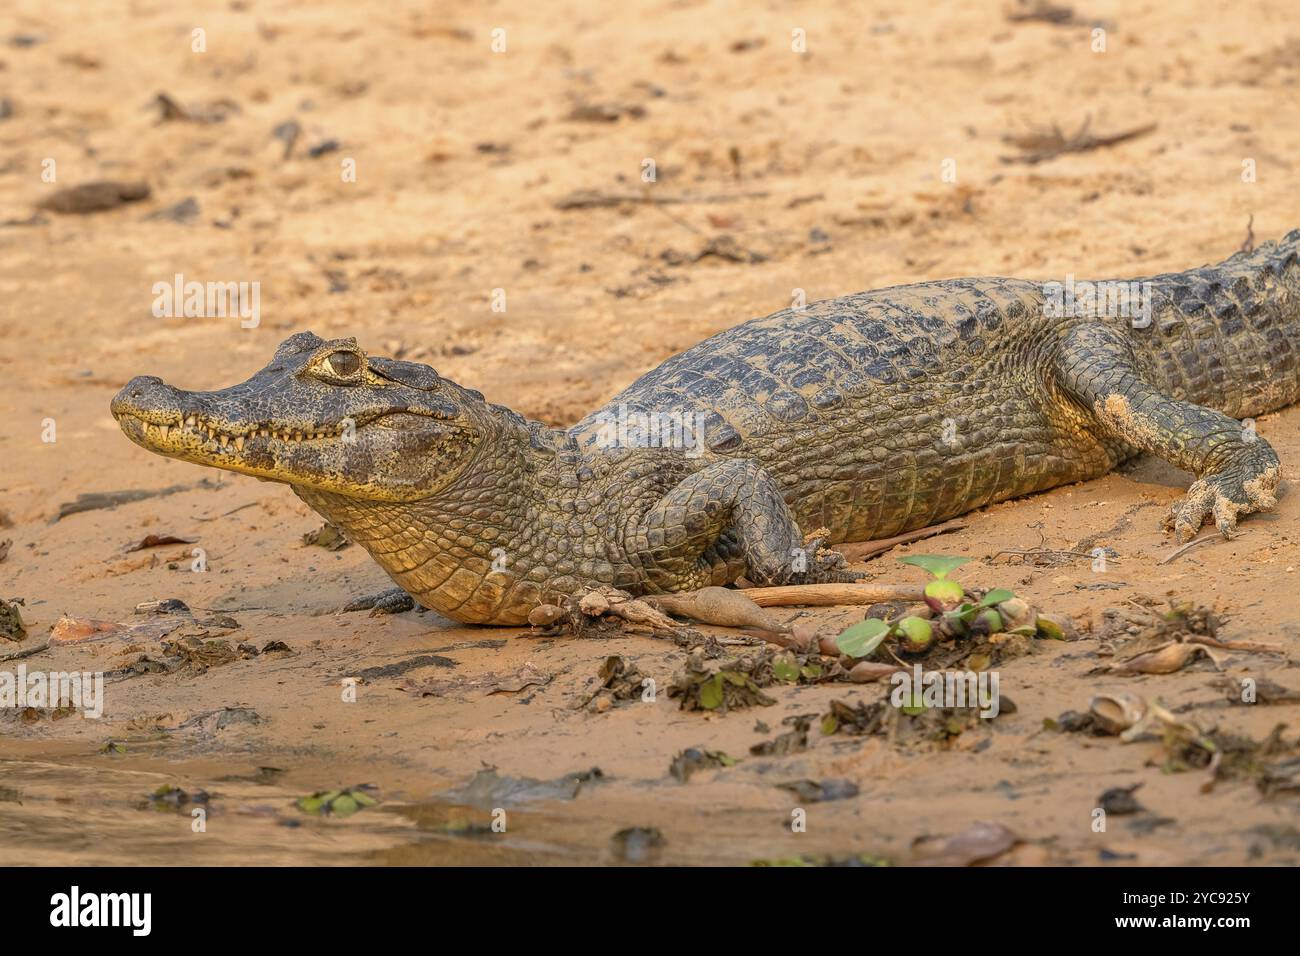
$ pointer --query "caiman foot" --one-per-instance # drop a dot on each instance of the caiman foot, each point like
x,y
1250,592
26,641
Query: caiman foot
x,y
1247,485
1237,470
825,566
818,564
392,601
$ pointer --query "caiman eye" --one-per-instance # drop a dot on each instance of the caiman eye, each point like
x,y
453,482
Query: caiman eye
x,y
342,363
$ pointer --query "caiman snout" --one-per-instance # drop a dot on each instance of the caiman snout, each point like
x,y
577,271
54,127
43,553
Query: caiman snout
x,y
148,398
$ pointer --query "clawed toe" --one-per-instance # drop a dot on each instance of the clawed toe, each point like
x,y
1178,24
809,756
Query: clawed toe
x,y
1223,498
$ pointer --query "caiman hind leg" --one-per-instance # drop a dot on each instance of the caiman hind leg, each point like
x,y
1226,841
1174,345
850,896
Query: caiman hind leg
x,y
729,513
1236,471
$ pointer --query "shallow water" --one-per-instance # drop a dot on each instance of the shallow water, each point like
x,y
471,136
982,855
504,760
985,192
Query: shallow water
x,y
69,813
89,811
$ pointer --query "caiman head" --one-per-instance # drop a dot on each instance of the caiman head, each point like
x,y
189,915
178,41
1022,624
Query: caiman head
x,y
323,415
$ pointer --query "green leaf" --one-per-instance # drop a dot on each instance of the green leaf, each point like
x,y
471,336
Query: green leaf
x,y
342,803
939,565
830,724
711,693
812,671
997,596
344,806
785,668
862,638
311,804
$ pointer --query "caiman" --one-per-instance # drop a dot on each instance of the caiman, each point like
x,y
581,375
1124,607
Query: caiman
x,y
849,419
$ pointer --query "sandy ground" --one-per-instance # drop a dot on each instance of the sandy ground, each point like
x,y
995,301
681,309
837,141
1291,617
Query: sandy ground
x,y
820,171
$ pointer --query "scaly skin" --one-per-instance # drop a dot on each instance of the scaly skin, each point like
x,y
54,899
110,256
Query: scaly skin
x,y
863,416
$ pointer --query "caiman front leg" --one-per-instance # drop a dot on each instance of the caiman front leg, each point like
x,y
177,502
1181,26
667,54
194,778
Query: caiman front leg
x,y
389,601
1236,471
726,516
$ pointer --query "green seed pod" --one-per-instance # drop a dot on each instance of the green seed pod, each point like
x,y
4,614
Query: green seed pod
x,y
916,633
1050,628
992,620
943,595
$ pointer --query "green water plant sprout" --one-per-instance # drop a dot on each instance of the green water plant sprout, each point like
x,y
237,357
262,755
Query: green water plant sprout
x,y
941,592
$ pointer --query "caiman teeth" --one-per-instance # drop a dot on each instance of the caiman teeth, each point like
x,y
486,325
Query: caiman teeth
x,y
194,424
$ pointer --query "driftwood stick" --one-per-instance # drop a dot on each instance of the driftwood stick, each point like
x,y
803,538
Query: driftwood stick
x,y
780,640
861,550
25,652
1212,535
595,199
1235,645
829,595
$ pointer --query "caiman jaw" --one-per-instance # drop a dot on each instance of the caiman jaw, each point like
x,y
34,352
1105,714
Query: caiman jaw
x,y
197,433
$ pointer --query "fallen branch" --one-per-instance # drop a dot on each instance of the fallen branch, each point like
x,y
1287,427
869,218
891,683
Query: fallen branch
x,y
787,641
93,501
1042,146
830,595
1235,645
1054,555
226,514
25,652
1045,12
862,550
1248,244
1194,543
594,199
